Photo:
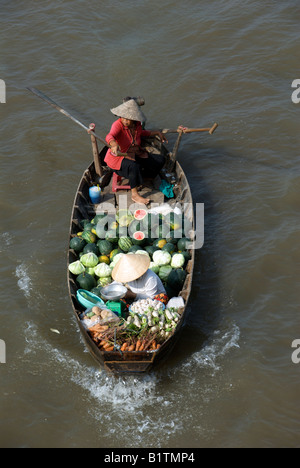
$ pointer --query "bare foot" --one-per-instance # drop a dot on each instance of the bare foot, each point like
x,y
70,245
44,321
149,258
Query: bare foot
x,y
138,199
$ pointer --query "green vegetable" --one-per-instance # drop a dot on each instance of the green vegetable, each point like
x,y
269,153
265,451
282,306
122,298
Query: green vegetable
x,y
125,243
176,280
103,270
161,258
178,261
89,260
105,247
154,267
91,248
183,244
89,237
86,281
164,272
77,244
76,268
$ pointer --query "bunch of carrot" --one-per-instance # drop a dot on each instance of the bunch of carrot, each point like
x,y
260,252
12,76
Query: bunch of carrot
x,y
107,336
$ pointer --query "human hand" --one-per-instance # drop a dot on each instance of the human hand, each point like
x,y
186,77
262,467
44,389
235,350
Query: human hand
x,y
181,128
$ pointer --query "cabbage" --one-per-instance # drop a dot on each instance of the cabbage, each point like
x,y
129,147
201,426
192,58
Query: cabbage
x,y
178,261
161,258
154,267
90,271
142,252
76,268
103,270
89,260
104,281
116,259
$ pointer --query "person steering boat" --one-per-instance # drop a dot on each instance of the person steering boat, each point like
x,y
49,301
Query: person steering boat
x,y
125,136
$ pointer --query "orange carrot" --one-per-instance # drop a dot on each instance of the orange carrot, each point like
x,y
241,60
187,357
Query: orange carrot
x,y
131,348
110,348
124,346
138,344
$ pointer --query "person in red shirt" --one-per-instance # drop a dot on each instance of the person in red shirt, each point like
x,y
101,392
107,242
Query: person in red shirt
x,y
125,136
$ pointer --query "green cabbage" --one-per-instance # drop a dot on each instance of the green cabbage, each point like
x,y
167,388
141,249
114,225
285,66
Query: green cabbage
x,y
154,267
178,261
103,270
104,281
89,260
76,268
162,258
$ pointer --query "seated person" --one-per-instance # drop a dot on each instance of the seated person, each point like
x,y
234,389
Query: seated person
x,y
142,283
125,136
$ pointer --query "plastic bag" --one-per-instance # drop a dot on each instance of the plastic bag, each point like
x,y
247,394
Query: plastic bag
x,y
98,315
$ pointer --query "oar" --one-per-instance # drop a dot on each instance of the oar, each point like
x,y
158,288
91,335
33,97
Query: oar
x,y
192,130
64,112
90,129
181,130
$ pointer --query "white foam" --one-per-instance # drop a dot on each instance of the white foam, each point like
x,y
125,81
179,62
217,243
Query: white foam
x,y
24,281
217,346
5,241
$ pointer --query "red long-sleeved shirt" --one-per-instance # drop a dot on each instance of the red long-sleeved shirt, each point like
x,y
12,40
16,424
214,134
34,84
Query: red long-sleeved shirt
x,y
125,140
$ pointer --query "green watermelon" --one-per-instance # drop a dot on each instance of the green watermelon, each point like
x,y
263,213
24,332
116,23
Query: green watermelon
x,y
84,222
77,244
98,218
125,243
105,247
183,243
164,272
111,237
89,237
150,249
169,247
91,248
86,281
134,248
176,279
114,253
88,227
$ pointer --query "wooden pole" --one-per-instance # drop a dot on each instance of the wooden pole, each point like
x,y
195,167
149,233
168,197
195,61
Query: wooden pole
x,y
98,167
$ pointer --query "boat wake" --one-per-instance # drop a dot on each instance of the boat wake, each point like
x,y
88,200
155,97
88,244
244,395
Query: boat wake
x,y
132,407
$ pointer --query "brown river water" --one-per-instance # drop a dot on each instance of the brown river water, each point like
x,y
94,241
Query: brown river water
x,y
231,380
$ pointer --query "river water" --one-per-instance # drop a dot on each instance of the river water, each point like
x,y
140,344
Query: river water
x,y
230,381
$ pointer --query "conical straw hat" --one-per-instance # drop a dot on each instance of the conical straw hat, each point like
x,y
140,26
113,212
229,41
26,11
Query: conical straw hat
x,y
130,267
129,110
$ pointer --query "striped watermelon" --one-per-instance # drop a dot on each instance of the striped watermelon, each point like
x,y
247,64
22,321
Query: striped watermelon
x,y
125,243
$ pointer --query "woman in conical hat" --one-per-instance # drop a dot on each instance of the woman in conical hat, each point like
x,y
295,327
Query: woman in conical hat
x,y
126,136
142,283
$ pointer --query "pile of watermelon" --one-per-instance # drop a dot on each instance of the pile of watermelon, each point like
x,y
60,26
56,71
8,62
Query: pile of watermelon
x,y
104,239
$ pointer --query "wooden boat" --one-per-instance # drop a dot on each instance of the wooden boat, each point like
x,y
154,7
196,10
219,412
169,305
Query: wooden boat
x,y
134,361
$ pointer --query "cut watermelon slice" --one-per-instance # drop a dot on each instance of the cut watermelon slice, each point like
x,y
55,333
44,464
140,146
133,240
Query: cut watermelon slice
x,y
139,238
140,214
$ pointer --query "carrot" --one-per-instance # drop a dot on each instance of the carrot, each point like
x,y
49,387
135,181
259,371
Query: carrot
x,y
153,344
124,346
111,348
158,346
138,344
131,348
107,345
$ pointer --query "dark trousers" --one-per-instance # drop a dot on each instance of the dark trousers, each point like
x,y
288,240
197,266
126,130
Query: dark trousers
x,y
136,170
